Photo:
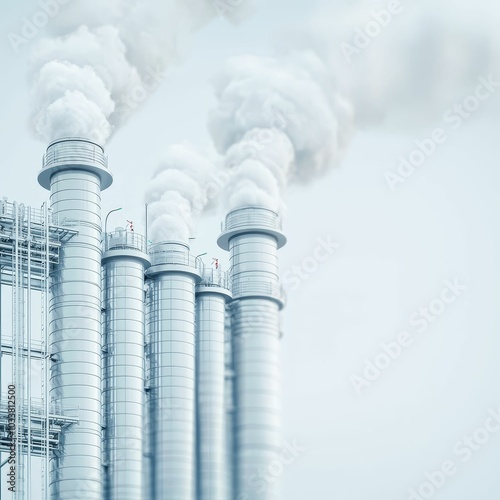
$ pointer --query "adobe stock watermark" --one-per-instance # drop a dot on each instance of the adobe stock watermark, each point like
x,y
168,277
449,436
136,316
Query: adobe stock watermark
x,y
463,451
453,119
420,321
363,37
225,7
152,79
323,251
137,95
267,476
31,27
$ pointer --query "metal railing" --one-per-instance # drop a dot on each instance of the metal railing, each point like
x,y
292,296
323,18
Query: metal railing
x,y
124,240
8,211
161,255
259,288
71,413
252,216
215,278
74,150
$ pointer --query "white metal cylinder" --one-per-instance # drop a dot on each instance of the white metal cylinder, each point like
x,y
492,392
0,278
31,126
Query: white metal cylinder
x,y
253,236
229,406
212,295
124,263
76,170
171,352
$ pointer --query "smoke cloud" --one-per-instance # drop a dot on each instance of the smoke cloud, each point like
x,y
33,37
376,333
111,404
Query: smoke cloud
x,y
101,60
426,57
279,120
179,192
312,98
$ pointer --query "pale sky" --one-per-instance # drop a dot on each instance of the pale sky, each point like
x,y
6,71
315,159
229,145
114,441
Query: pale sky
x,y
396,251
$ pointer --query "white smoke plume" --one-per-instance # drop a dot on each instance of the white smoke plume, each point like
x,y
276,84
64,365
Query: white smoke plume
x,y
179,192
426,58
279,120
101,60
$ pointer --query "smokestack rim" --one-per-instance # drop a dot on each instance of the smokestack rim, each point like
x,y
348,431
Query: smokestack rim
x,y
75,139
251,219
92,160
169,243
182,262
126,254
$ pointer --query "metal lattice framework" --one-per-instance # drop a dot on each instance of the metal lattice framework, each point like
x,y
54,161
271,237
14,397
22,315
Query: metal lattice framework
x,y
30,427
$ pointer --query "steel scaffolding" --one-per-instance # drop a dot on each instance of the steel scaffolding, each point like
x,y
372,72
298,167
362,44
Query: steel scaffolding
x,y
30,426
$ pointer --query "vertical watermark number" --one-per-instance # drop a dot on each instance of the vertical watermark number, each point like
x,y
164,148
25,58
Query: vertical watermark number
x,y
11,426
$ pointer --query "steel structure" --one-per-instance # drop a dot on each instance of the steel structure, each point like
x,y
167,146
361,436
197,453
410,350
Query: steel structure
x,y
147,375
30,244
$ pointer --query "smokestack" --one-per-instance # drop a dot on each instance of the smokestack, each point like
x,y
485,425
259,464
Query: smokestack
x,y
212,294
229,406
75,171
253,236
124,260
171,369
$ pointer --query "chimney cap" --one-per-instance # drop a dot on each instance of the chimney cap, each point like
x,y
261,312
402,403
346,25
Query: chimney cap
x,y
75,153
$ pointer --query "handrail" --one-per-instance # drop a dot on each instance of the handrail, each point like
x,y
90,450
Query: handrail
x,y
8,210
270,289
124,240
253,216
73,151
37,406
215,278
160,255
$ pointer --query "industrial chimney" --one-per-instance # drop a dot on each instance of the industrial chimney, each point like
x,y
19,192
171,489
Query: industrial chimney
x,y
171,352
75,171
124,261
253,236
212,295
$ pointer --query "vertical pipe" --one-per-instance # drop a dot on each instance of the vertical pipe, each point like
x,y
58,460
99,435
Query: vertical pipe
x,y
124,262
211,297
1,353
16,340
19,360
46,357
253,236
76,172
229,406
29,367
146,209
171,324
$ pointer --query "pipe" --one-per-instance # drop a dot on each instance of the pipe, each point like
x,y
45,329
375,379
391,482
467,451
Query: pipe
x,y
124,262
75,171
212,295
253,236
171,370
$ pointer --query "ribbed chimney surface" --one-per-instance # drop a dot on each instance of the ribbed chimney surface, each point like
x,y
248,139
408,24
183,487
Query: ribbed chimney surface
x,y
124,262
172,370
75,171
212,295
253,236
